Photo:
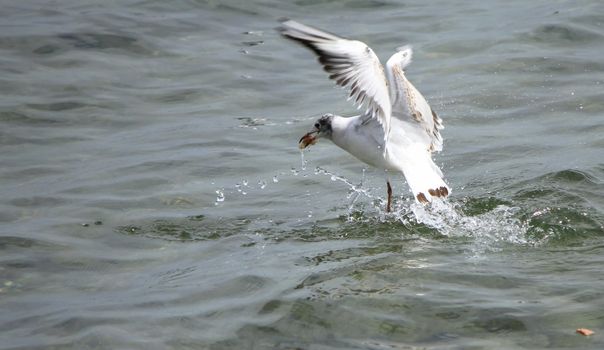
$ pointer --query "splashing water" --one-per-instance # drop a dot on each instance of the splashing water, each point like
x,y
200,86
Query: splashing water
x,y
240,189
302,160
488,229
354,192
219,196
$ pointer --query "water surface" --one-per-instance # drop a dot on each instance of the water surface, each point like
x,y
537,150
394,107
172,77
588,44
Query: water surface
x,y
153,197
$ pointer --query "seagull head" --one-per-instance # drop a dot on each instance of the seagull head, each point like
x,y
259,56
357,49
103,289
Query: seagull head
x,y
322,128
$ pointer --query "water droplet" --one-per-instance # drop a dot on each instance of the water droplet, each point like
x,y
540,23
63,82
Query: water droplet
x,y
275,179
244,182
302,160
333,178
219,196
262,184
294,172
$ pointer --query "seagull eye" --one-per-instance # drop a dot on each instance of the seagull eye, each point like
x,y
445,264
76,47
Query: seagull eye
x,y
317,125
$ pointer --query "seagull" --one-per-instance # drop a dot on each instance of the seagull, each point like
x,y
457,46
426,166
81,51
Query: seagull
x,y
398,130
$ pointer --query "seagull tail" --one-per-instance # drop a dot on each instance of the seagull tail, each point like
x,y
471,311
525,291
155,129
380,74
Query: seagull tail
x,y
425,180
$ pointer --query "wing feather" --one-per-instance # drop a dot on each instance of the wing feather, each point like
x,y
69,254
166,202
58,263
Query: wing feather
x,y
351,64
409,103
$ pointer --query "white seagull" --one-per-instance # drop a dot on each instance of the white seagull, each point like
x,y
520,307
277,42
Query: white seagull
x,y
398,130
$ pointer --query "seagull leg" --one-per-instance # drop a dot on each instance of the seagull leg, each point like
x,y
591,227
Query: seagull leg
x,y
389,196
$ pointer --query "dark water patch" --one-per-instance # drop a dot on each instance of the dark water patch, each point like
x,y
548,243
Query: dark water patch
x,y
566,226
239,287
570,187
358,226
45,46
101,41
574,176
22,118
16,140
349,253
185,95
58,106
38,201
176,274
47,49
73,325
558,207
238,9
11,242
319,320
476,205
377,323
563,34
153,166
559,65
348,4
192,228
498,324
30,173
271,306
10,215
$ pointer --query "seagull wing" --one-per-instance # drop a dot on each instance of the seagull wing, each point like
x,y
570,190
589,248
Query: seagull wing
x,y
352,64
409,104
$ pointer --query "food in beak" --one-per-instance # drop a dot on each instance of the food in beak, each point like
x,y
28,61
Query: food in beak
x,y
307,140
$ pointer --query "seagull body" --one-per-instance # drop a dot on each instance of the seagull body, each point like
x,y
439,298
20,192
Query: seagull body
x,y
398,130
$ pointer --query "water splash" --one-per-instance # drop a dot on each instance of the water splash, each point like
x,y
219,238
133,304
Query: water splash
x,y
239,188
302,161
354,191
488,230
219,196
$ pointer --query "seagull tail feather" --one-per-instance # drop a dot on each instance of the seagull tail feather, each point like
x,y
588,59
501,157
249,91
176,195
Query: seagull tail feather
x,y
425,180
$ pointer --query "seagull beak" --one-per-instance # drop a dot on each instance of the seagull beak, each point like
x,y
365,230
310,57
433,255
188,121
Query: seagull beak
x,y
308,139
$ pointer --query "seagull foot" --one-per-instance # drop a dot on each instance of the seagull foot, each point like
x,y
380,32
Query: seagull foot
x,y
388,206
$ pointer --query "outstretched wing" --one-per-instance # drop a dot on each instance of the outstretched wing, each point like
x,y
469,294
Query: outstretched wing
x,y
352,64
409,104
